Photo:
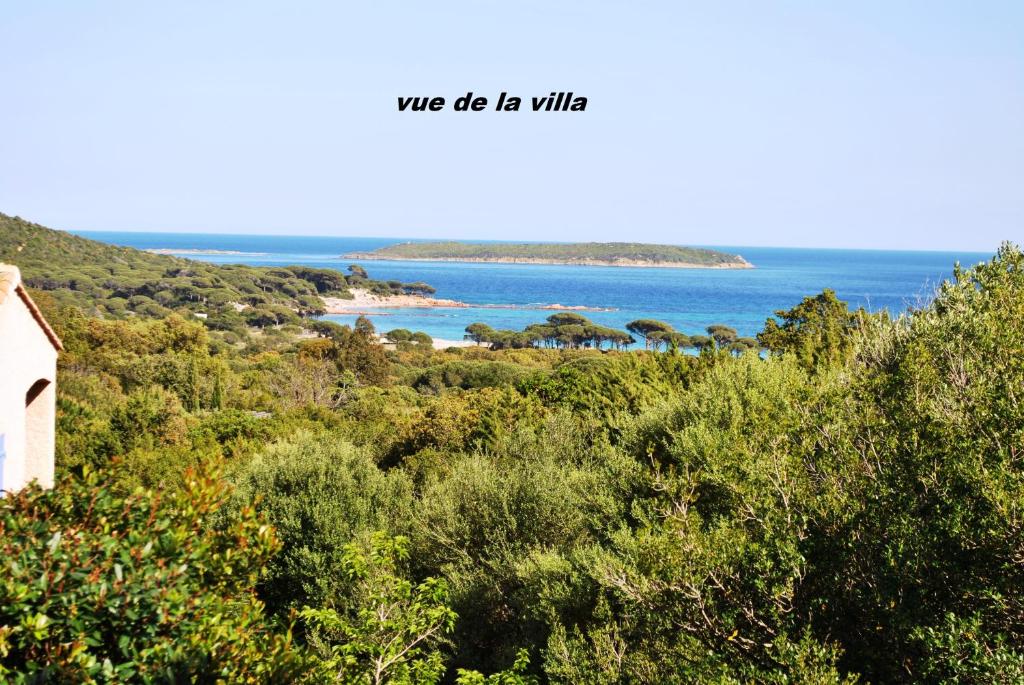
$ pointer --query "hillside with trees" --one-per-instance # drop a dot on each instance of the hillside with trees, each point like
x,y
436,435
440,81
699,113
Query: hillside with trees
x,y
839,503
111,281
596,254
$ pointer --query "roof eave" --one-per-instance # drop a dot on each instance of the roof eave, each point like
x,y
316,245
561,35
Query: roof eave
x,y
33,308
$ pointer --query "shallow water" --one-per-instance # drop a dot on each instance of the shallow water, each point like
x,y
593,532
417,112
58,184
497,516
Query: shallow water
x,y
689,299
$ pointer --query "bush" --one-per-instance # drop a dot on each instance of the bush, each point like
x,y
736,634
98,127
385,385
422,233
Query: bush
x,y
95,586
320,494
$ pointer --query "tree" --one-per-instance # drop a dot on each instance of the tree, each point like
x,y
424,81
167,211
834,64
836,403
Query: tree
x,y
311,380
700,342
398,335
418,288
320,494
599,335
542,331
705,587
646,328
570,335
722,335
421,338
621,340
265,316
364,326
361,354
479,333
357,272
325,280
669,339
327,329
920,567
741,345
818,331
388,629
568,319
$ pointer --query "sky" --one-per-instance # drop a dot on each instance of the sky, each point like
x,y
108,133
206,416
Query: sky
x,y
869,124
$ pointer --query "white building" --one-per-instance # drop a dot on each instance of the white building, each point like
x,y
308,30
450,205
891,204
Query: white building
x,y
28,375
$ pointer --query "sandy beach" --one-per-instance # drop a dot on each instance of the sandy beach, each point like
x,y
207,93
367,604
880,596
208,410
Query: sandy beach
x,y
438,343
365,302
442,344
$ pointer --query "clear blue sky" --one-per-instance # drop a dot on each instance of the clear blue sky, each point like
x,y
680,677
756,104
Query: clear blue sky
x,y
849,124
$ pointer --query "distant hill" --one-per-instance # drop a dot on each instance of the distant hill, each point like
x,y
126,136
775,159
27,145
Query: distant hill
x,y
109,280
587,254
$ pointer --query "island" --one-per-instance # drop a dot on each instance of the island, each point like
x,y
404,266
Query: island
x,y
575,254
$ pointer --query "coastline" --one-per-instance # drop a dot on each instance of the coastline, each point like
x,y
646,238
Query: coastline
x,y
364,302
635,263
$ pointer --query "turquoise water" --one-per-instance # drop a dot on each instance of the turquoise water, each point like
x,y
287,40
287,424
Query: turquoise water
x,y
689,299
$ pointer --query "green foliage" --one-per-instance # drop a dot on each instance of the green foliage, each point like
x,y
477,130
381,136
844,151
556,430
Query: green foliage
x,y
569,330
388,629
421,338
608,390
566,329
705,588
499,526
479,332
102,587
364,326
926,542
398,335
113,281
517,675
403,336
673,340
645,328
117,281
722,334
819,331
319,495
845,507
469,375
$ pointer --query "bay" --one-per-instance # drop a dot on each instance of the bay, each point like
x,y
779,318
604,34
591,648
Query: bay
x,y
689,299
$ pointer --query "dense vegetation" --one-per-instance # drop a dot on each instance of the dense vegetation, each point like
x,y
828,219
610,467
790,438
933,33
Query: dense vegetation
x,y
638,254
846,508
106,280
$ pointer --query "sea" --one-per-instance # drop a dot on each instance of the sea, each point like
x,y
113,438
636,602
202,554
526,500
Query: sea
x,y
689,299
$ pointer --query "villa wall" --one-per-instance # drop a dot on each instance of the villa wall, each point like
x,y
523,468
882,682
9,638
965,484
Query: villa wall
x,y
26,357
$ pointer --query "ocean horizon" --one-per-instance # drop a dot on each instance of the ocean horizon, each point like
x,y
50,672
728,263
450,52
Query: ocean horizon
x,y
689,299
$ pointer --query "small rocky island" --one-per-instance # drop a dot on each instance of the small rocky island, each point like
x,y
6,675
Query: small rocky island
x,y
582,254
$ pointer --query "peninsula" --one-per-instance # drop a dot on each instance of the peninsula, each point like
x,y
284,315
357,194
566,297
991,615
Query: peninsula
x,y
577,254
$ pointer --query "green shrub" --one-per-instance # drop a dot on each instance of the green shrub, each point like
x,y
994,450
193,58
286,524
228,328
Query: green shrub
x,y
320,494
96,586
